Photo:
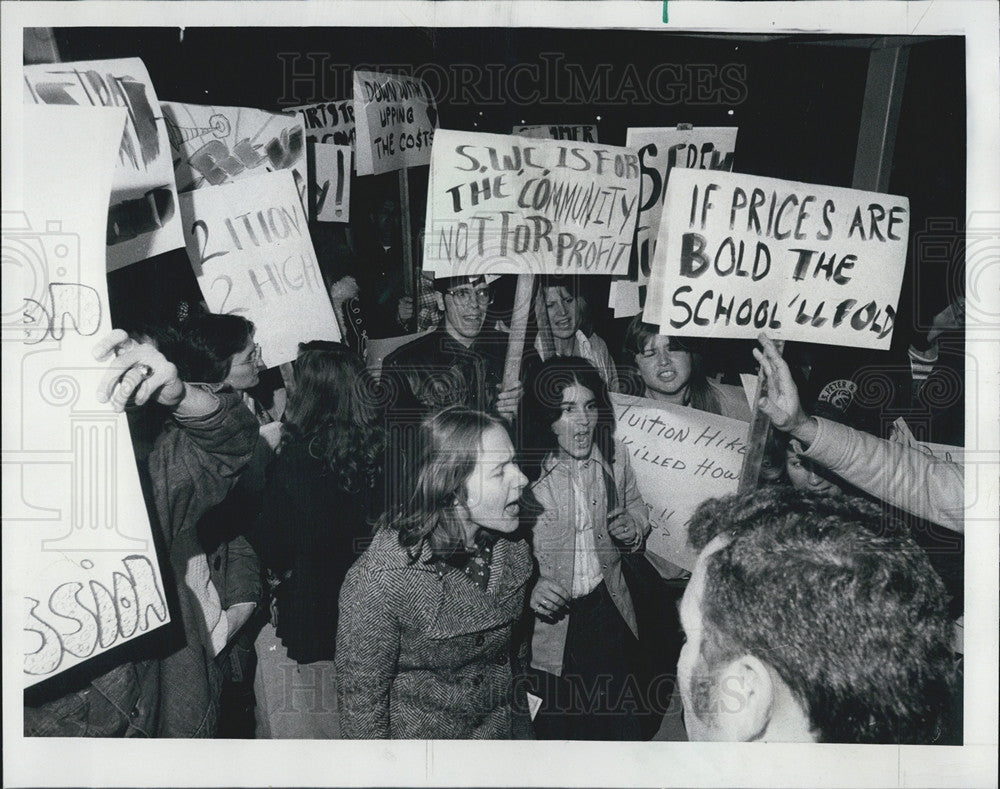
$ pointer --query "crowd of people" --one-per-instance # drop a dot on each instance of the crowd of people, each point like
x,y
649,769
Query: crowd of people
x,y
438,551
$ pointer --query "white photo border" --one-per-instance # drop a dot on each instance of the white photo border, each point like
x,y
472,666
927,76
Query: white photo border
x,y
76,762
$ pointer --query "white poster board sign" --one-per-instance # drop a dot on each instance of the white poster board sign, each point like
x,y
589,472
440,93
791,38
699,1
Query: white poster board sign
x,y
740,254
681,457
660,151
142,216
395,117
218,145
586,132
503,204
250,248
329,182
86,569
330,122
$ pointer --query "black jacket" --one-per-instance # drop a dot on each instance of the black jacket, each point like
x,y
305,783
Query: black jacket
x,y
309,533
435,371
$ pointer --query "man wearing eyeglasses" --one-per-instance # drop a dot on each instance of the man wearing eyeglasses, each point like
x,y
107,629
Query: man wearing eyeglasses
x,y
460,363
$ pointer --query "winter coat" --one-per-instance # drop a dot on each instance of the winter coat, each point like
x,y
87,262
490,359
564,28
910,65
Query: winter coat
x,y
422,652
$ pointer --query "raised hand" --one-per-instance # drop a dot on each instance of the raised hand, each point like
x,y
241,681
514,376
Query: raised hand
x,y
780,400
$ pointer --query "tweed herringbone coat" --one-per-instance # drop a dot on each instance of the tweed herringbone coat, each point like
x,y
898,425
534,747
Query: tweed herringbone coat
x,y
424,653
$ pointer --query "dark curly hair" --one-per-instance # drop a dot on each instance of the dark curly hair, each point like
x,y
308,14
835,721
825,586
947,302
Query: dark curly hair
x,y
839,601
333,410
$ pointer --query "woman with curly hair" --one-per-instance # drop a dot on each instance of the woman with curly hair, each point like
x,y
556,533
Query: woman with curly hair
x,y
427,645
319,501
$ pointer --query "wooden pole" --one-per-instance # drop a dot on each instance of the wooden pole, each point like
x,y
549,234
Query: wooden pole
x,y
760,427
518,329
548,345
409,280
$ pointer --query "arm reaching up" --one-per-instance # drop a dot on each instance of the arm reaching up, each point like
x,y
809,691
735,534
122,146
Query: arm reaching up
x,y
901,476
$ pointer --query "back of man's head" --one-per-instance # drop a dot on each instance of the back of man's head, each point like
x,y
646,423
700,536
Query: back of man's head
x,y
838,600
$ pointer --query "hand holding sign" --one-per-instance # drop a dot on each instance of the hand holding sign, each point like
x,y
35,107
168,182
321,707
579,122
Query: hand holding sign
x,y
780,398
508,399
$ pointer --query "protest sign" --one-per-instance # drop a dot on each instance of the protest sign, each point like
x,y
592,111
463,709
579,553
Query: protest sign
x,y
331,122
503,204
623,298
681,457
581,133
86,571
739,254
218,145
329,182
396,117
142,218
250,248
660,151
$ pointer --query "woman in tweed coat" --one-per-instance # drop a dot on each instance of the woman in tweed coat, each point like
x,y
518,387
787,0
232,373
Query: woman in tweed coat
x,y
428,613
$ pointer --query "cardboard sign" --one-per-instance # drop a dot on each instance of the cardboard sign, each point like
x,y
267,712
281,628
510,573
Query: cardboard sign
x,y
331,122
660,151
581,133
503,204
218,145
740,254
142,218
329,182
396,117
250,248
623,298
681,457
86,572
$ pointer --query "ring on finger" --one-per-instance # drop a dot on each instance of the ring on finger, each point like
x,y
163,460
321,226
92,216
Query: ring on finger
x,y
123,346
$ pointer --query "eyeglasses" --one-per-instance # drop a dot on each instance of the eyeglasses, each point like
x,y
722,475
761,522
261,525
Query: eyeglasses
x,y
464,296
255,356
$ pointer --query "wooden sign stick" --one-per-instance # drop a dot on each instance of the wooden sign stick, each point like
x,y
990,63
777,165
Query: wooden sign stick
x,y
546,341
409,280
760,428
518,329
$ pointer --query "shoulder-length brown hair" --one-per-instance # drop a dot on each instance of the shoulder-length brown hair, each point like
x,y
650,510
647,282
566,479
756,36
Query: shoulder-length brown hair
x,y
433,507
698,392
